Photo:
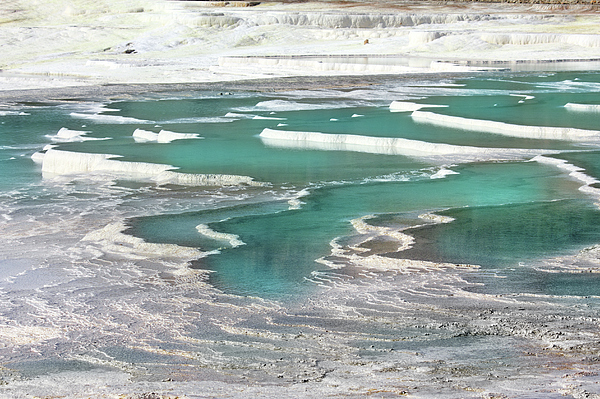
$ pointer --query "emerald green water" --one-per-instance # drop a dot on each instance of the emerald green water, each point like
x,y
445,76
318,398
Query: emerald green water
x,y
281,246
507,213
296,278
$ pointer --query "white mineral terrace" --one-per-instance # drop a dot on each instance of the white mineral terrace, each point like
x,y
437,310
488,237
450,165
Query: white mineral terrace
x,y
58,43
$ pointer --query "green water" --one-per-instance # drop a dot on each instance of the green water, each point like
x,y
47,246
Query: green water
x,y
282,246
506,213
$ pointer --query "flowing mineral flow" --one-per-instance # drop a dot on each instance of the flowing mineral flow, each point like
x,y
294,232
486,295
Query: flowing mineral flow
x,y
433,235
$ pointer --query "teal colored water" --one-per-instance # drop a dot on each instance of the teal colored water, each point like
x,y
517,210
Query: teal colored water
x,y
507,213
21,134
587,160
282,247
512,234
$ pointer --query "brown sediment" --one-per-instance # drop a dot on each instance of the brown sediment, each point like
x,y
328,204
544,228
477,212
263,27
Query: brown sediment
x,y
75,94
422,248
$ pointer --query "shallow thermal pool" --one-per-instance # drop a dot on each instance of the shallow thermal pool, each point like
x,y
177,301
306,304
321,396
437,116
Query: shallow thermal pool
x,y
425,236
